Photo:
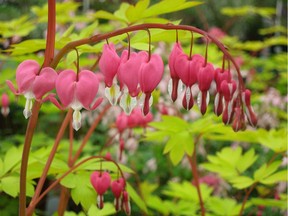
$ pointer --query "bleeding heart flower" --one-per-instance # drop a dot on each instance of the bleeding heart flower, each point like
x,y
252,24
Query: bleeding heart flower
x,y
187,70
173,86
220,76
122,122
150,75
205,77
126,202
239,120
101,182
77,91
33,83
117,187
128,76
5,105
109,63
246,97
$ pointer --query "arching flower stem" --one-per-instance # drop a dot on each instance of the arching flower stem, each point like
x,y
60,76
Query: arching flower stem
x,y
73,168
191,45
99,37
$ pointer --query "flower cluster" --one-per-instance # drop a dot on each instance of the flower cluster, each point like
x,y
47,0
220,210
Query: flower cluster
x,y
75,90
231,98
137,74
135,119
101,181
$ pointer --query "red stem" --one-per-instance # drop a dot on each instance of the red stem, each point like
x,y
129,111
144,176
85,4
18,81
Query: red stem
x,y
49,54
42,179
71,170
25,156
193,164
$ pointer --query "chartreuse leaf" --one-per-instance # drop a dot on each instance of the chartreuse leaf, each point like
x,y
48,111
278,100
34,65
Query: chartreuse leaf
x,y
135,13
81,191
170,123
266,170
241,182
168,6
248,10
163,207
12,158
136,198
223,206
108,209
246,160
9,186
282,204
275,178
1,168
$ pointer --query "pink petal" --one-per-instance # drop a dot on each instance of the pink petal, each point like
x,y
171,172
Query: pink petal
x,y
205,77
44,82
87,88
25,74
176,51
65,86
109,63
129,69
151,73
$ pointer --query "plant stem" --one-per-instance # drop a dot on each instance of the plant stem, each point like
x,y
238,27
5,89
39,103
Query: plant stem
x,y
25,156
64,198
246,198
42,179
56,182
193,164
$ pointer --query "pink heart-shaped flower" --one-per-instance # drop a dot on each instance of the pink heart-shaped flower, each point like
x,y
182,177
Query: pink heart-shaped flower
x,y
117,187
109,63
100,181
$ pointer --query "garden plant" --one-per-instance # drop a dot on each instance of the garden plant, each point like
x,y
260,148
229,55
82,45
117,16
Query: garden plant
x,y
134,112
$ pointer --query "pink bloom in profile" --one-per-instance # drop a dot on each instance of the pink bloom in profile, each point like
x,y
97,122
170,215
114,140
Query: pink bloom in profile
x,y
239,120
228,89
150,75
33,82
117,187
220,75
251,116
5,105
205,77
174,85
187,69
121,122
126,202
77,91
101,182
109,63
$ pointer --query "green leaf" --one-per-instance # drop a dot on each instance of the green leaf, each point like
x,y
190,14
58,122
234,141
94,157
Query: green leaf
x,y
9,185
1,168
108,209
282,204
246,160
241,182
135,13
136,198
83,192
223,206
176,155
168,6
12,158
266,170
275,178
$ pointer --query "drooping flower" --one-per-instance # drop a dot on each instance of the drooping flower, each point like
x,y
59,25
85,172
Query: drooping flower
x,y
77,91
128,75
117,187
173,86
239,120
101,182
252,118
220,75
187,70
108,64
33,82
150,74
228,89
205,77
126,202
5,105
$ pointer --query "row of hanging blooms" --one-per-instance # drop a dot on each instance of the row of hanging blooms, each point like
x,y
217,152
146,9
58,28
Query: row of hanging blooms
x,y
132,77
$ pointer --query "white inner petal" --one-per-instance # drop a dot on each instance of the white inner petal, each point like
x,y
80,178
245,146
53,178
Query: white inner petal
x,y
112,93
76,120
